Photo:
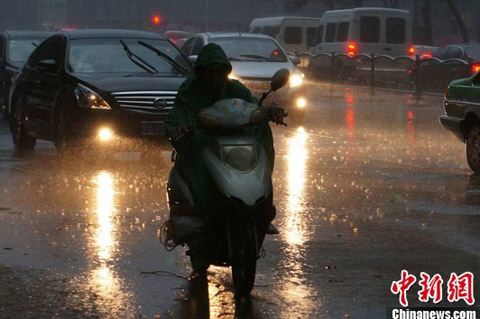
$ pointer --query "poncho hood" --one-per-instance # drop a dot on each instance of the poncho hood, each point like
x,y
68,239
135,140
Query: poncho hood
x,y
213,57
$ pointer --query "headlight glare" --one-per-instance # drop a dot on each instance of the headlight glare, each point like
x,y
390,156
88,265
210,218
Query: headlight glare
x,y
242,158
232,76
89,99
105,134
296,80
301,102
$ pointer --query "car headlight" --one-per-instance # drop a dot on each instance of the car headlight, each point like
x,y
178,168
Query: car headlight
x,y
242,158
89,99
301,102
105,134
296,80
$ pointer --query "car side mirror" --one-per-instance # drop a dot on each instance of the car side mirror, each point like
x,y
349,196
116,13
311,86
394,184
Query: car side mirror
x,y
279,79
193,58
48,66
295,60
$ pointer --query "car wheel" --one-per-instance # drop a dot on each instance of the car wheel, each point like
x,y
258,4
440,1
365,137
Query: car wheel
x,y
473,148
22,141
64,139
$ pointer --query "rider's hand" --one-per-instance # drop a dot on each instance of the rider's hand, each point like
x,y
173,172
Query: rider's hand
x,y
177,133
276,114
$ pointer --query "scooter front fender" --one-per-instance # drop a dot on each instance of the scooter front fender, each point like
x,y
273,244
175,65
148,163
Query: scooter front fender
x,y
248,187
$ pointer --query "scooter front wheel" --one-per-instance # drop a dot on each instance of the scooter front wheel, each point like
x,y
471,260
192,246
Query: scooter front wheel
x,y
243,274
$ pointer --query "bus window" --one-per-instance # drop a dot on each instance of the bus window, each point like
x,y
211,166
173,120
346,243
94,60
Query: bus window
x,y
369,29
320,34
311,37
330,34
271,31
342,33
395,30
292,35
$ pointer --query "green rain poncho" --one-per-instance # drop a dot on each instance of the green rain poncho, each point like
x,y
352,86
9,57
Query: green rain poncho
x,y
192,97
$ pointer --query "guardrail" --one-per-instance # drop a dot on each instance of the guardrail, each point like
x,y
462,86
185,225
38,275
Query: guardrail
x,y
383,71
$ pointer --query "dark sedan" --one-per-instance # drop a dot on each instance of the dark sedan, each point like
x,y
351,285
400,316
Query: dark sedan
x,y
100,86
15,48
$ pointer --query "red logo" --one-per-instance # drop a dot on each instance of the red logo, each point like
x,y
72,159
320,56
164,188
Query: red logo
x,y
431,288
401,287
461,287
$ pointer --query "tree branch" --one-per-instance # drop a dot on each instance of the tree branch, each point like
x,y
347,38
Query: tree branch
x,y
459,20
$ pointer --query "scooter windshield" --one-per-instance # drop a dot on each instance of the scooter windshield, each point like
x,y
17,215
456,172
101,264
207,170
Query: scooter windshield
x,y
230,112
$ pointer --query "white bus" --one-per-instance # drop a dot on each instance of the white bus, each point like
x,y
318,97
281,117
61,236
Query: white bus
x,y
365,30
295,34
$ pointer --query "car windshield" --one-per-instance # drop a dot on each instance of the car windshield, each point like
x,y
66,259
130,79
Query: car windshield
x,y
129,56
20,49
251,49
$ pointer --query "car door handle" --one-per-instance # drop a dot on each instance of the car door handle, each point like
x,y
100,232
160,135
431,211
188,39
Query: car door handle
x,y
387,49
37,82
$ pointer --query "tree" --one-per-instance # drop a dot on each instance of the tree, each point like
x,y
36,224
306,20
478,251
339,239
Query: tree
x,y
458,20
427,22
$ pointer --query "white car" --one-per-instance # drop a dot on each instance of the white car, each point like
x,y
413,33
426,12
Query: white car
x,y
255,58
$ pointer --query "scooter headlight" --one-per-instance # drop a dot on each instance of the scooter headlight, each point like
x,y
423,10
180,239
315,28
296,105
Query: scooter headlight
x,y
232,76
89,98
242,158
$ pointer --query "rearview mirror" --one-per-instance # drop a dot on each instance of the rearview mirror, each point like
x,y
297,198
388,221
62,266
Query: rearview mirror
x,y
279,79
47,65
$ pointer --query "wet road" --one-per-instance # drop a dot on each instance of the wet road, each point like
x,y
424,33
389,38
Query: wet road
x,y
368,186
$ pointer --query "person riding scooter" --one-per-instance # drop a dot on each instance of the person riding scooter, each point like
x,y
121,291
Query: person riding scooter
x,y
209,84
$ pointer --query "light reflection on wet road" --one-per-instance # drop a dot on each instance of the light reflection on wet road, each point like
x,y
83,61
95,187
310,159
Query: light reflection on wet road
x,y
103,278
368,185
296,290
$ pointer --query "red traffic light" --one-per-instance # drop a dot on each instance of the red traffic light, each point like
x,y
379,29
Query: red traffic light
x,y
156,19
